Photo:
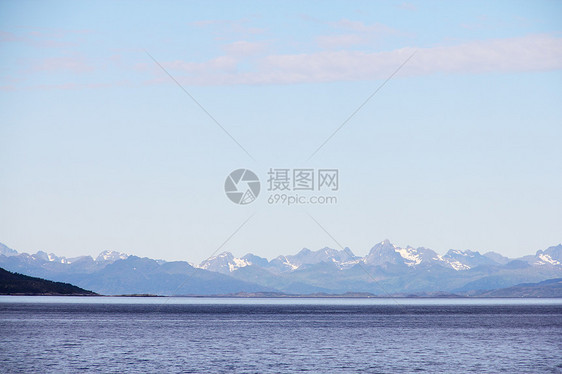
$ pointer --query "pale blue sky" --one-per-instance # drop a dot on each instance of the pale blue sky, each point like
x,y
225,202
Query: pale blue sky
x,y
99,149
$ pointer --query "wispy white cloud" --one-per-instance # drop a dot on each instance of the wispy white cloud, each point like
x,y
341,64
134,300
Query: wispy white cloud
x,y
228,28
44,38
244,48
408,6
78,86
6,36
247,63
69,64
218,64
530,53
352,33
340,41
360,26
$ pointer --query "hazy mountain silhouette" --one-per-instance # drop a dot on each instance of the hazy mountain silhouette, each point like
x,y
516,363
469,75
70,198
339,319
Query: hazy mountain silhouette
x,y
386,269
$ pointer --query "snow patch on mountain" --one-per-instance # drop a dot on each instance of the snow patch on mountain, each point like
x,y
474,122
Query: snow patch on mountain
x,y
546,259
288,263
54,258
410,255
457,265
111,256
238,263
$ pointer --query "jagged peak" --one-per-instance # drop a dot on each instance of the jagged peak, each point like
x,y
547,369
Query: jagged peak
x,y
252,255
112,256
304,251
224,254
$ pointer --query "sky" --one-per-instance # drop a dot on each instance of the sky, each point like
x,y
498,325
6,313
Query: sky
x,y
120,122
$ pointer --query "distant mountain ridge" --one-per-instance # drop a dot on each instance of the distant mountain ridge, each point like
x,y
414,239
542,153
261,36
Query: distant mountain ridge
x,y
116,273
547,288
386,269
381,254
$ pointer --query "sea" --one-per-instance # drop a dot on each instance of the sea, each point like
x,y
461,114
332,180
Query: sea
x,y
49,334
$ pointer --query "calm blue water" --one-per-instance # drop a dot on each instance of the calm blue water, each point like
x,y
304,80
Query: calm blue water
x,y
116,335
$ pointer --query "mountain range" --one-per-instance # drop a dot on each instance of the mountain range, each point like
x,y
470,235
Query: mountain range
x,y
386,269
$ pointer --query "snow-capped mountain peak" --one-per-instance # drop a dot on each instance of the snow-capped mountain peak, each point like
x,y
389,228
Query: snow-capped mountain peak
x,y
551,256
7,251
386,253
49,257
111,256
326,254
224,262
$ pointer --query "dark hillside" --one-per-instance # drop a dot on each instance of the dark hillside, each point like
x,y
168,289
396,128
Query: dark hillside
x,y
18,284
